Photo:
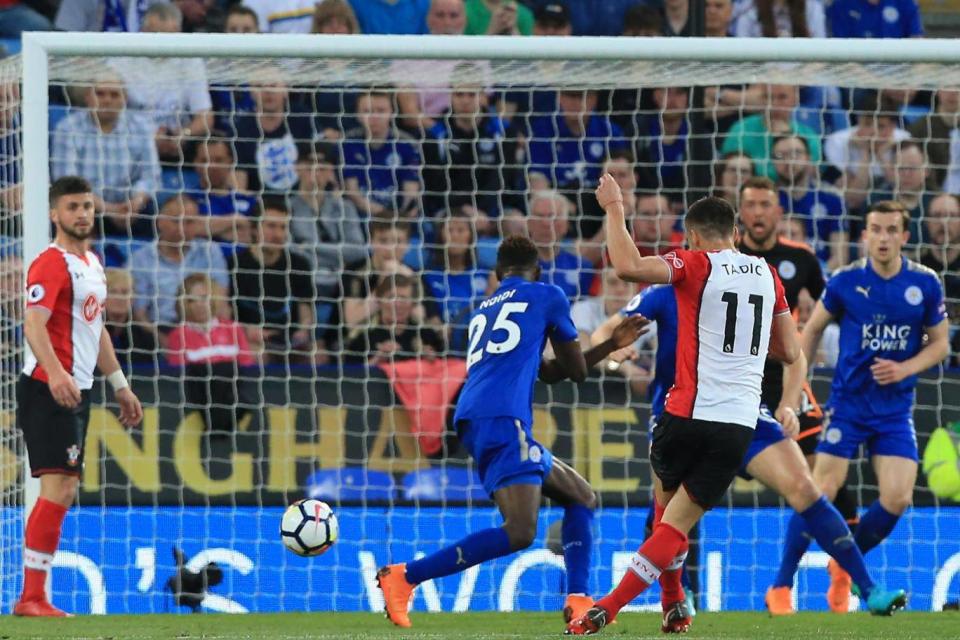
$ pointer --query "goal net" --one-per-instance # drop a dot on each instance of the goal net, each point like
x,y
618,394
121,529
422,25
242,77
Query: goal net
x,y
294,238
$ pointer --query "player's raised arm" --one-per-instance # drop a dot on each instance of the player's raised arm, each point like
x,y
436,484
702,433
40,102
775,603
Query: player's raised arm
x,y
570,362
626,260
813,330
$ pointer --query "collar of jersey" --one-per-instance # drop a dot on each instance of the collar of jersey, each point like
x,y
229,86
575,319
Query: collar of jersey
x,y
873,272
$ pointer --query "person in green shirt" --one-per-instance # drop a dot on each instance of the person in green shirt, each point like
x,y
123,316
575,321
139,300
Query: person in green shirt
x,y
754,135
498,18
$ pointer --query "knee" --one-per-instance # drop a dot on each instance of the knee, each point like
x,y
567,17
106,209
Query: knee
x,y
520,534
802,493
63,491
588,499
897,503
829,486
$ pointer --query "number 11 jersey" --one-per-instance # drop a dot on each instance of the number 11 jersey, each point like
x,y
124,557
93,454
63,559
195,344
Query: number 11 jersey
x,y
506,337
726,302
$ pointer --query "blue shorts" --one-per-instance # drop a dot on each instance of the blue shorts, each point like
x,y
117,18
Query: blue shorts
x,y
767,433
505,452
884,436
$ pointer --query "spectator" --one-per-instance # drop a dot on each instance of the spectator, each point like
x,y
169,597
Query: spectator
x,y
335,17
547,224
717,15
642,21
754,134
201,336
399,17
592,18
11,153
283,16
418,99
380,164
567,150
498,18
220,197
399,330
197,15
325,227
452,281
335,108
552,20
179,110
906,180
135,342
936,130
874,19
822,211
732,170
112,148
11,311
16,17
100,15
941,249
861,152
779,19
654,225
241,19
273,293
676,18
464,157
267,139
389,242
158,268
621,165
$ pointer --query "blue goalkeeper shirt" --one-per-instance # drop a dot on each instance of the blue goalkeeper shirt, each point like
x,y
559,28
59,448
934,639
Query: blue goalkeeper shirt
x,y
506,337
879,318
659,304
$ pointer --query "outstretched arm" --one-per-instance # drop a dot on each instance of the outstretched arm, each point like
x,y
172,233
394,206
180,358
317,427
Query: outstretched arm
x,y
571,362
813,330
626,260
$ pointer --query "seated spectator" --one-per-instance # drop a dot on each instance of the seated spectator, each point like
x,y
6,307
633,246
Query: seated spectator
x,y
273,292
552,19
179,111
99,15
399,330
906,180
935,132
220,198
592,18
159,268
389,242
267,139
861,152
941,249
676,18
283,16
452,280
733,170
229,101
654,225
16,17
11,187
464,158
621,165
717,16
801,196
241,18
399,17
567,150
643,21
113,148
201,336
779,19
547,225
665,152
135,342
335,108
874,19
325,227
498,18
11,311
754,134
380,163
335,17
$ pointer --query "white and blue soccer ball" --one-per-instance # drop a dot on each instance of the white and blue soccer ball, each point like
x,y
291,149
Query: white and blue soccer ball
x,y
309,527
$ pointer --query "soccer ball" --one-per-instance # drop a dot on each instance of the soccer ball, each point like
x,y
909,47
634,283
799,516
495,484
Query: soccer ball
x,y
309,527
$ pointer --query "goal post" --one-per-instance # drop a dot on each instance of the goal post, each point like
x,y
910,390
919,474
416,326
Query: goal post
x,y
222,501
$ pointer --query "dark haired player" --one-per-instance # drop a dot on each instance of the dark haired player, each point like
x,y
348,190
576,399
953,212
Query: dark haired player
x,y
506,337
66,339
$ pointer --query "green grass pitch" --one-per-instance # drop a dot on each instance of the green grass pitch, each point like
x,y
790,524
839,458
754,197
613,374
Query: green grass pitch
x,y
476,626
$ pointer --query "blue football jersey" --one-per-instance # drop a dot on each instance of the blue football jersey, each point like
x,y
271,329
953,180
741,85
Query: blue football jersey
x,y
505,343
879,318
659,304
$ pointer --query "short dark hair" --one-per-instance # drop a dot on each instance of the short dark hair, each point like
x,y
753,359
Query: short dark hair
x,y
274,203
790,136
621,154
392,282
517,253
325,152
68,186
381,91
758,182
641,17
890,206
241,10
388,221
711,217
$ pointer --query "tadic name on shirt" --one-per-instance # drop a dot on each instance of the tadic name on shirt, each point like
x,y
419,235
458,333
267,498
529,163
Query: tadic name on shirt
x,y
885,337
489,302
736,269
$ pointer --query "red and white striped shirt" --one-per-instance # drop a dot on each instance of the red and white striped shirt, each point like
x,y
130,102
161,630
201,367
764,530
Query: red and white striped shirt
x,y
220,341
73,289
726,302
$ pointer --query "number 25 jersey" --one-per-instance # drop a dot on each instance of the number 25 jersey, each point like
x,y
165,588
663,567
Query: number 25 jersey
x,y
506,337
726,302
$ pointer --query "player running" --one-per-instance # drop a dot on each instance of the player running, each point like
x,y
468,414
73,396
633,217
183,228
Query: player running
x,y
799,270
63,325
732,312
506,337
885,304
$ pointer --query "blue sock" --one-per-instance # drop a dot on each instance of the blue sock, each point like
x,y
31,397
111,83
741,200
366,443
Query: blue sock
x,y
475,548
875,525
795,545
833,535
577,537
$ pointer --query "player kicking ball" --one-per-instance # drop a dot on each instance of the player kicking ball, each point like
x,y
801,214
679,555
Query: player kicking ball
x,y
731,312
494,417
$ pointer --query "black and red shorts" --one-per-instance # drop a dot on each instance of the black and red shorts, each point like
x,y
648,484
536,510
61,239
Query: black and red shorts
x,y
54,435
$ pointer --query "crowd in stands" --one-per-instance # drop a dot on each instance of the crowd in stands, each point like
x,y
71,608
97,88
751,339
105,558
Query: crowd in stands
x,y
279,224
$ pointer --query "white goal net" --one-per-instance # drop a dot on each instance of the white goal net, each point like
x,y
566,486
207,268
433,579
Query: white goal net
x,y
294,239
